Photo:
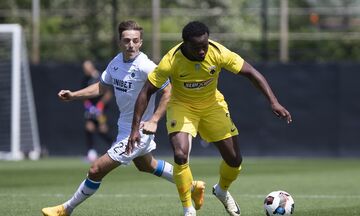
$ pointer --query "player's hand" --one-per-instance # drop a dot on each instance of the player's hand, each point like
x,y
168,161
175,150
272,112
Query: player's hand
x,y
149,127
281,112
66,95
134,139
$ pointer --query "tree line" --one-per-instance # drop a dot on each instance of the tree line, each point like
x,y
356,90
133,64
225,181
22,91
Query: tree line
x,y
73,30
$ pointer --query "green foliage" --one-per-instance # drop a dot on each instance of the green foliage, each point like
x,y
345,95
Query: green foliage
x,y
71,30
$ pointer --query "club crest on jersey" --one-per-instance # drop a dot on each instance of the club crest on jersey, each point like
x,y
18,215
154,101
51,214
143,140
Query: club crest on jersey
x,y
212,69
173,123
132,75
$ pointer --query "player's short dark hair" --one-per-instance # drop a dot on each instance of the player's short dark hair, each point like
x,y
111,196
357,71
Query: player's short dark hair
x,y
129,25
194,29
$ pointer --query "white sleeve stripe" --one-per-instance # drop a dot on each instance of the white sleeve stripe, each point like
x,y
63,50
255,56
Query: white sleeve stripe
x,y
165,84
103,82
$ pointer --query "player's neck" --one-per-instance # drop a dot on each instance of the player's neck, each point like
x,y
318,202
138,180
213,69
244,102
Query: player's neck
x,y
128,59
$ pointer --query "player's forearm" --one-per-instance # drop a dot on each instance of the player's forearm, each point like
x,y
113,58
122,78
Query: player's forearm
x,y
142,103
259,82
88,92
161,108
140,107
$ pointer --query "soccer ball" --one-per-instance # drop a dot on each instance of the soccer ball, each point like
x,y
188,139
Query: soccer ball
x,y
279,203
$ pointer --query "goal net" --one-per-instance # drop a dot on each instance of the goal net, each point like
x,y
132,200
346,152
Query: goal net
x,y
18,123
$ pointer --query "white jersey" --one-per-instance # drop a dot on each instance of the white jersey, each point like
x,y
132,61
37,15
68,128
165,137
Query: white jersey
x,y
128,78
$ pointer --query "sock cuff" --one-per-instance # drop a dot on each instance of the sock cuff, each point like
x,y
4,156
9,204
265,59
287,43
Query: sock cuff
x,y
181,167
159,168
92,184
224,165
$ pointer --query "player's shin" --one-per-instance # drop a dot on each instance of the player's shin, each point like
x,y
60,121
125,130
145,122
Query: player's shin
x,y
85,190
183,180
164,170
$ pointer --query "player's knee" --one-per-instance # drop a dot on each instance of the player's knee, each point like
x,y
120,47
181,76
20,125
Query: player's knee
x,y
238,161
95,172
180,157
90,126
235,161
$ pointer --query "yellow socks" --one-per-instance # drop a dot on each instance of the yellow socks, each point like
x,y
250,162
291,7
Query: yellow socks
x,y
183,180
227,175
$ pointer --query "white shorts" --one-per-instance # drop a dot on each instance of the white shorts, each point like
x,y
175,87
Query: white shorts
x,y
117,152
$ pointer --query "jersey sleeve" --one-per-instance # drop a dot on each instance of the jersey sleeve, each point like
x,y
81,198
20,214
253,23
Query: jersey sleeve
x,y
106,76
148,67
160,76
231,61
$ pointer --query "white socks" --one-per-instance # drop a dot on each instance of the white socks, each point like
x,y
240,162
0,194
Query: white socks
x,y
164,170
219,191
85,190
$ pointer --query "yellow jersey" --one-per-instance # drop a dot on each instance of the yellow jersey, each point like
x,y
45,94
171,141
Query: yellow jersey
x,y
195,82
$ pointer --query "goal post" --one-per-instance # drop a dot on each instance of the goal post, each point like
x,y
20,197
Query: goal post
x,y
19,130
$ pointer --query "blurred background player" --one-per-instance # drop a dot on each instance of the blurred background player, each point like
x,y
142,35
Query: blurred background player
x,y
95,118
126,73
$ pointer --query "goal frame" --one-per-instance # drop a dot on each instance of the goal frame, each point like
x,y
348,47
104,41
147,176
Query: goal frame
x,y
19,60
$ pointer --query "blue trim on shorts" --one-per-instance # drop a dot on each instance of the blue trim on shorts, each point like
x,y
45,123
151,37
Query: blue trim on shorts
x,y
159,168
92,184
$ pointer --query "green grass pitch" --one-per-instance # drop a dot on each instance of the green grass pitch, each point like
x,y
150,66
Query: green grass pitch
x,y
318,186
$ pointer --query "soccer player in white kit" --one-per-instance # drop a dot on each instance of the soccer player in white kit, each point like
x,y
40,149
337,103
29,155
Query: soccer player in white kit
x,y
127,73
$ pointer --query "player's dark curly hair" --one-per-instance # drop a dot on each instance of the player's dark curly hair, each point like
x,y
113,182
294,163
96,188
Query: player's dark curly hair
x,y
129,25
194,29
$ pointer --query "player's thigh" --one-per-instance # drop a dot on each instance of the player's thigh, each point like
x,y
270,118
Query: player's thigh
x,y
216,124
118,150
102,123
103,128
180,118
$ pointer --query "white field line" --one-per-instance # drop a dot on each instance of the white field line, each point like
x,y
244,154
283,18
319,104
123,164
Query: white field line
x,y
100,195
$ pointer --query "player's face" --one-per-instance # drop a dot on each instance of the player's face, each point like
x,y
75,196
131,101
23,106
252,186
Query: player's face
x,y
130,44
197,47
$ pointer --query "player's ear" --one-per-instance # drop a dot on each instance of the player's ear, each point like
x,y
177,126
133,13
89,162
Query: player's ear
x,y
141,42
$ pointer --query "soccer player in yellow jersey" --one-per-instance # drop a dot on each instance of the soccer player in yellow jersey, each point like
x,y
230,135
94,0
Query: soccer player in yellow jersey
x,y
196,105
